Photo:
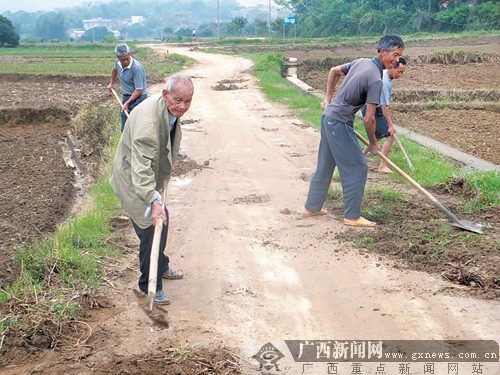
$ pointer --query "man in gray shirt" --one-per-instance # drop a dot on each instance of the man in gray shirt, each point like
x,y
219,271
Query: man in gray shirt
x,y
338,145
132,80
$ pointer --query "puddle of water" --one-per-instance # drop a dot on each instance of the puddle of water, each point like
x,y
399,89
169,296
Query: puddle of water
x,y
69,156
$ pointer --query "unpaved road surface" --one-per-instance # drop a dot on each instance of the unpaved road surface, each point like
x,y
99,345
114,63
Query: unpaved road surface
x,y
255,270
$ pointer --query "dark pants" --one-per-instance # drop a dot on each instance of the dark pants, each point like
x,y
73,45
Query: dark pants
x,y
146,242
131,106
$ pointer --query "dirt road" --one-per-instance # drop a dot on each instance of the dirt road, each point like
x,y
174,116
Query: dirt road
x,y
255,270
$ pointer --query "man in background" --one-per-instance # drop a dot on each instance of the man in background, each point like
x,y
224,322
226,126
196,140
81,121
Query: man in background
x,y
132,80
384,126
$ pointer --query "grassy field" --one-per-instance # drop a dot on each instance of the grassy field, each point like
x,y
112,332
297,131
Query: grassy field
x,y
80,59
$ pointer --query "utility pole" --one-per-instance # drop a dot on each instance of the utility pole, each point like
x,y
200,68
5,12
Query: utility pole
x,y
217,19
269,18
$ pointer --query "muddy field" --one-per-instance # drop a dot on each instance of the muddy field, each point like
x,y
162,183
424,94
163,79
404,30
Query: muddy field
x,y
38,186
38,182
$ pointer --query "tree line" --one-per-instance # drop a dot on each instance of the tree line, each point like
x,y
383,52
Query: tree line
x,y
8,35
315,18
323,18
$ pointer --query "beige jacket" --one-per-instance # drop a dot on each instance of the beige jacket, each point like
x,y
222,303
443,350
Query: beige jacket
x,y
144,157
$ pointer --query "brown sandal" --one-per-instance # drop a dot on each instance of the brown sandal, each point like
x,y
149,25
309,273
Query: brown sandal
x,y
361,222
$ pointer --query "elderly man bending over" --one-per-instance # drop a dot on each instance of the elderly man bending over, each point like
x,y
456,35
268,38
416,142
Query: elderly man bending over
x,y
142,168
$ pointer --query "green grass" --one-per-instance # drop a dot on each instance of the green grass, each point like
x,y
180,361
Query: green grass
x,y
81,59
390,195
49,50
334,192
70,257
430,167
377,212
365,242
487,186
181,354
379,208
267,69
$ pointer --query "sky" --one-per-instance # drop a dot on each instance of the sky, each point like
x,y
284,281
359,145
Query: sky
x,y
47,5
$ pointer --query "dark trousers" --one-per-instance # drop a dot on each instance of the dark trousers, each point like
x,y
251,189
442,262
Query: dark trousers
x,y
146,242
131,106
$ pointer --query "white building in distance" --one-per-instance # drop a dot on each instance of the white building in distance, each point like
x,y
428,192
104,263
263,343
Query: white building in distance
x,y
96,22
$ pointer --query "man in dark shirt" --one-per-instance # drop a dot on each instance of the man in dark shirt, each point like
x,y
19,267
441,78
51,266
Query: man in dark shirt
x,y
338,145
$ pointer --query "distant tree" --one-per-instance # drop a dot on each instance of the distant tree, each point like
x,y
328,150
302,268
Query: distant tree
x,y
207,30
8,34
454,19
184,31
277,25
96,34
261,27
236,26
487,15
24,22
30,39
51,26
110,39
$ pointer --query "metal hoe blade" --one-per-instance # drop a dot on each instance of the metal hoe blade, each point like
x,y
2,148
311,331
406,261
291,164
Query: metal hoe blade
x,y
468,225
462,224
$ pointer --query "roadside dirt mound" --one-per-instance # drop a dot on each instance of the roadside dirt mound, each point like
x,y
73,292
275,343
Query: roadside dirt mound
x,y
191,361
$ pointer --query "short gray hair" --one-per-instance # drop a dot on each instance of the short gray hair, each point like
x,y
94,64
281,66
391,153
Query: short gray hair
x,y
390,41
177,77
122,50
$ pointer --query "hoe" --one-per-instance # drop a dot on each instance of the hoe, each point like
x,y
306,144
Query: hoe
x,y
455,221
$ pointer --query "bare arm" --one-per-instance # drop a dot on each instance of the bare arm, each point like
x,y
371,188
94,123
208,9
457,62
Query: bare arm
x,y
114,74
369,122
333,79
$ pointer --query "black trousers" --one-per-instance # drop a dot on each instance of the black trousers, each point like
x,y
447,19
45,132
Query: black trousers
x,y
146,242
